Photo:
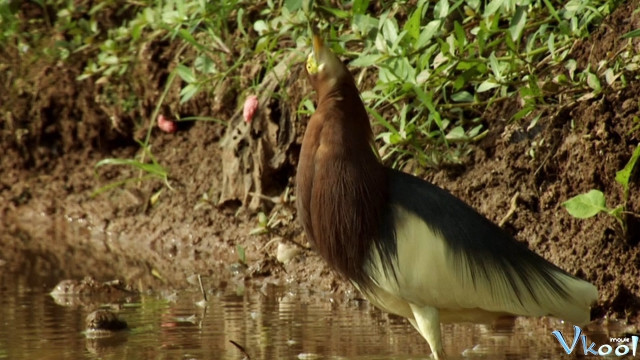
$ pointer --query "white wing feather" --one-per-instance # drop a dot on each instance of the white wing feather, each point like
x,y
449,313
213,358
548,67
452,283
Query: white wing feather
x,y
428,274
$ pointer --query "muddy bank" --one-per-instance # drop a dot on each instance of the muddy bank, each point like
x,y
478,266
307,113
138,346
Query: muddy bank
x,y
55,129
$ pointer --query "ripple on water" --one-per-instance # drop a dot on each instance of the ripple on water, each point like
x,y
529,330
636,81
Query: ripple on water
x,y
277,324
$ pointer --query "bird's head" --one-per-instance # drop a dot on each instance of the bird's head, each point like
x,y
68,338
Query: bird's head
x,y
324,68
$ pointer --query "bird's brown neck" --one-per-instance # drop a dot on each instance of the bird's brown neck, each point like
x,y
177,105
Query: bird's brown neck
x,y
332,95
342,187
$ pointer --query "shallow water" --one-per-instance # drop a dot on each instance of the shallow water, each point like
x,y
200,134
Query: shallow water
x,y
269,324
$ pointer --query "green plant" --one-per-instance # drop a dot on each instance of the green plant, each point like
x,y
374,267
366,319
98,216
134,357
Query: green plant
x,y
265,224
589,204
9,24
148,170
242,257
450,61
203,29
430,70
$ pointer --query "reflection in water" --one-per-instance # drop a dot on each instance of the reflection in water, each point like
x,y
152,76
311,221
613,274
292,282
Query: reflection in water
x,y
273,325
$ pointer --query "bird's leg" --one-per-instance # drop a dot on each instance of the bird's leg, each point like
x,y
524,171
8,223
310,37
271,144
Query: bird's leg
x,y
427,322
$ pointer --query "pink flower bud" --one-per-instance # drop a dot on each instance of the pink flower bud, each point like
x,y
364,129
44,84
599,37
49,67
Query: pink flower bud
x,y
250,108
167,125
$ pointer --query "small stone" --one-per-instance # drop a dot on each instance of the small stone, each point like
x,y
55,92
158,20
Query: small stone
x,y
286,252
103,323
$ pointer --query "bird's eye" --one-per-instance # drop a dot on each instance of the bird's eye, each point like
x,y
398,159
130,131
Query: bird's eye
x,y
311,65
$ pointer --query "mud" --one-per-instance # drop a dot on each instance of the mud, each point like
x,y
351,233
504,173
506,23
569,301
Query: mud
x,y
54,129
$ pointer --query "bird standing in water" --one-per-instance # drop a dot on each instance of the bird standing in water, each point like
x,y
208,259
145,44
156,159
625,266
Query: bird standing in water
x,y
411,248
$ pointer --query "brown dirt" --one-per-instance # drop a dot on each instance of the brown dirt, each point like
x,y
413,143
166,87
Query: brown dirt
x,y
54,129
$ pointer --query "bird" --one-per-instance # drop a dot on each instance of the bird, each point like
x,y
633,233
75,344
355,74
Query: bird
x,y
410,247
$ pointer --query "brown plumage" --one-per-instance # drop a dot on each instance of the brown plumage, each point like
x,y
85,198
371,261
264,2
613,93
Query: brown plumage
x,y
412,248
341,186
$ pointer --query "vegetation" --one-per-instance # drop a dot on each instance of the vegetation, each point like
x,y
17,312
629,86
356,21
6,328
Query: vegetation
x,y
438,65
590,204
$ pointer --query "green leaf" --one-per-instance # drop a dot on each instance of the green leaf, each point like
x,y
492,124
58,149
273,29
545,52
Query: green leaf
x,y
428,32
622,176
335,12
262,44
493,6
153,169
412,26
441,9
460,82
593,82
456,134
487,85
461,37
495,66
631,34
109,60
364,23
610,76
172,17
571,65
462,96
390,31
586,205
186,73
397,69
365,60
360,6
83,76
466,65
534,122
427,99
136,31
382,121
422,95
392,138
242,257
522,113
552,10
184,34
204,64
551,44
240,23
260,26
518,21
188,92
293,5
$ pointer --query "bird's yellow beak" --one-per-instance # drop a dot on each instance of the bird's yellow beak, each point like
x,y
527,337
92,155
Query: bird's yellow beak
x,y
312,60
318,44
